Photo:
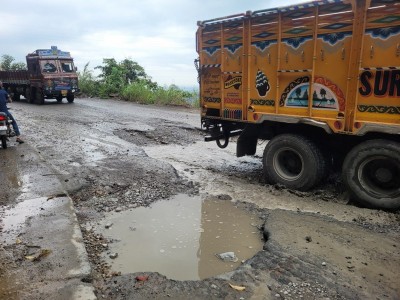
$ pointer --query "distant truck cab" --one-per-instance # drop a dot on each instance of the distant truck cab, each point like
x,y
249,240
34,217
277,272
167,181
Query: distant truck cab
x,y
51,74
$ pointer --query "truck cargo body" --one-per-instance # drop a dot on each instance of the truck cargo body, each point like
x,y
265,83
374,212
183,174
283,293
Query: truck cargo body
x,y
325,73
51,74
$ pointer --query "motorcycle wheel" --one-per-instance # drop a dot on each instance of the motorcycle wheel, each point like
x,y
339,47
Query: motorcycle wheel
x,y
4,142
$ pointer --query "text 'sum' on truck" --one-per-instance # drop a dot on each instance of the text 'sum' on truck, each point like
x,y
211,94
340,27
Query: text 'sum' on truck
x,y
320,81
51,74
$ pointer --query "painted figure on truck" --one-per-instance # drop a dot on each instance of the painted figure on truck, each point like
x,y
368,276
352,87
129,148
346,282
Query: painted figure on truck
x,y
320,81
51,74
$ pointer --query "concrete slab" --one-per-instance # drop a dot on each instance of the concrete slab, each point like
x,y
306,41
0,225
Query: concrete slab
x,y
42,253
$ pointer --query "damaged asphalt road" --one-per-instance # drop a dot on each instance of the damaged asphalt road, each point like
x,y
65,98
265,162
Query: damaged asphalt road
x,y
86,161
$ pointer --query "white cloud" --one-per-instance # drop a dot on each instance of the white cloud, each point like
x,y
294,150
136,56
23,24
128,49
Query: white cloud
x,y
158,34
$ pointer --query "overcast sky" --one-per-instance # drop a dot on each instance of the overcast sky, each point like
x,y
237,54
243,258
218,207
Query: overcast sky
x,y
158,34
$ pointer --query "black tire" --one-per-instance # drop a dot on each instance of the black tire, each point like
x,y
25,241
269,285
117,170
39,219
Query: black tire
x,y
70,98
16,97
294,161
4,142
371,172
39,96
29,95
59,98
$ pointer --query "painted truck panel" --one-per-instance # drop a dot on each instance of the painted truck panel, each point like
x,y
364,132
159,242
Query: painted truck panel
x,y
259,64
320,81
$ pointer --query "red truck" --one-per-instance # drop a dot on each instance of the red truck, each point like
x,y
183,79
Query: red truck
x,y
51,74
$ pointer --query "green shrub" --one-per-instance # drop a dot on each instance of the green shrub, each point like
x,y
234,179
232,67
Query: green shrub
x,y
138,92
128,81
88,85
142,92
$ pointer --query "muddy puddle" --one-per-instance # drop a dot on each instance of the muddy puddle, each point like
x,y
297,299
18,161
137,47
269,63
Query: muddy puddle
x,y
181,238
14,218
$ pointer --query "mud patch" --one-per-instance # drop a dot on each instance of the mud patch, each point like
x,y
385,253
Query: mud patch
x,y
162,134
9,177
9,284
117,184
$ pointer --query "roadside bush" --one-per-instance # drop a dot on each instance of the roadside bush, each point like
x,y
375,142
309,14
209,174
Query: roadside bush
x,y
88,85
111,85
141,92
138,92
171,95
128,81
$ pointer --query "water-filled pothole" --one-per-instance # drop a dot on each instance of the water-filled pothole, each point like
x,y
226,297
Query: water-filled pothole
x,y
180,238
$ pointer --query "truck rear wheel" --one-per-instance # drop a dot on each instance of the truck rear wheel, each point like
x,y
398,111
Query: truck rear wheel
x,y
29,95
4,142
39,96
371,171
294,161
70,98
16,97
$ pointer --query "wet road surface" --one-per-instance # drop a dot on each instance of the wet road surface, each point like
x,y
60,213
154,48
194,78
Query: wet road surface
x,y
113,157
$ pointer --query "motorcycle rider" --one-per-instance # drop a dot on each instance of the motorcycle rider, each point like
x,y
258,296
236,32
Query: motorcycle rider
x,y
4,98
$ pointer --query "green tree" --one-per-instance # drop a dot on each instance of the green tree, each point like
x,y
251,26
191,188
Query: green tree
x,y
18,66
117,75
132,71
7,63
106,68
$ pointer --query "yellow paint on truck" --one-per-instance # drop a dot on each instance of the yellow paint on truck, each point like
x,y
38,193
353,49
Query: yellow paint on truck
x,y
329,64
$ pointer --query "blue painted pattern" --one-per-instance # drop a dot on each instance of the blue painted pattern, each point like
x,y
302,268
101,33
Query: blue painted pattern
x,y
262,45
296,42
233,48
211,50
383,33
334,38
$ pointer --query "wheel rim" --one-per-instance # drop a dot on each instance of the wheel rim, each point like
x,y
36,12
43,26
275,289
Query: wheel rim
x,y
380,176
288,164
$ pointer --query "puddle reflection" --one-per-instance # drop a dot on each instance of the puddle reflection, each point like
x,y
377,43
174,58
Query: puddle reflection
x,y
180,238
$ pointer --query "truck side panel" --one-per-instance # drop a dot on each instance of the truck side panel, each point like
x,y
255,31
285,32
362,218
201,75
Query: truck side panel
x,y
14,77
210,69
295,61
263,64
379,86
334,42
233,66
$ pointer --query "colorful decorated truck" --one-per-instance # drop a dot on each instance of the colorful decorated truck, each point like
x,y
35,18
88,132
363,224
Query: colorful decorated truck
x,y
320,81
51,74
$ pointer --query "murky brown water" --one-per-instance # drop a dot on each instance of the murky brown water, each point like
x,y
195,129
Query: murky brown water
x,y
180,237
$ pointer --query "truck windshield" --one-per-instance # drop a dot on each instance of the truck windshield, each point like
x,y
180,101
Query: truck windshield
x,y
67,66
49,66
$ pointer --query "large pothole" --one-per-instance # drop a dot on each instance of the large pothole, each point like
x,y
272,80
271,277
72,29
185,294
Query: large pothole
x,y
183,238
